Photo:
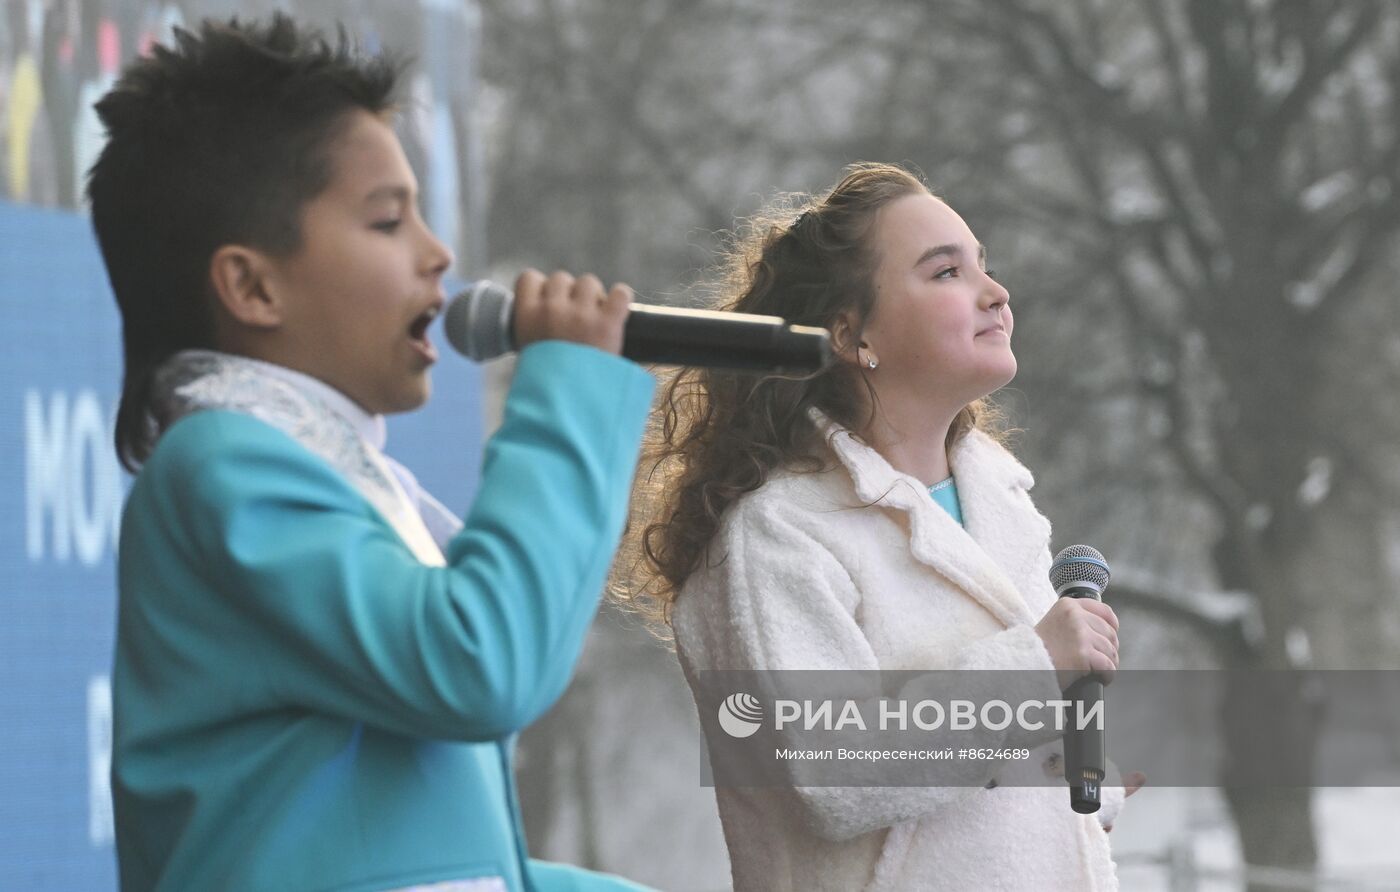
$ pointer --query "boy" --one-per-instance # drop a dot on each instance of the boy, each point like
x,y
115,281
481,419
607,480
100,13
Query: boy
x,y
319,672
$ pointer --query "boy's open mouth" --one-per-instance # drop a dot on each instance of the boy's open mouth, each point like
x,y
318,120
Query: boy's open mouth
x,y
418,331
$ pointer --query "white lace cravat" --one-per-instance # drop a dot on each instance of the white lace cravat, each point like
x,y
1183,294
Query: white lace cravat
x,y
193,380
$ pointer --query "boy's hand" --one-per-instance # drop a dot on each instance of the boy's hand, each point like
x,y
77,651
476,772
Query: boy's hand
x,y
565,308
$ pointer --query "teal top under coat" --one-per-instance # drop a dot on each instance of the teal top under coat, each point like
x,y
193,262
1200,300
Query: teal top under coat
x,y
945,493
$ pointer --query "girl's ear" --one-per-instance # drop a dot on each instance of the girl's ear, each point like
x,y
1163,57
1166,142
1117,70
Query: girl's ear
x,y
845,342
240,277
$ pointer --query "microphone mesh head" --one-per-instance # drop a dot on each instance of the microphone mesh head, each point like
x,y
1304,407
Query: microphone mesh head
x,y
477,323
1079,564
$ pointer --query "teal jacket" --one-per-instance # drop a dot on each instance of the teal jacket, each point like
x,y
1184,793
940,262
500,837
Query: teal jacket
x,y
300,704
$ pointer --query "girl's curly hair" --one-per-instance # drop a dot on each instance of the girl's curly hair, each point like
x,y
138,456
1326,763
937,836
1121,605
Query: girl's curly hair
x,y
720,435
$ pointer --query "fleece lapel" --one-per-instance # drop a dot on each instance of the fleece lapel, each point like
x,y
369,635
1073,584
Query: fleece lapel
x,y
992,487
970,558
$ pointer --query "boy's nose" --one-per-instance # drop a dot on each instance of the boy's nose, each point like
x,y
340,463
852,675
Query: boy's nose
x,y
439,257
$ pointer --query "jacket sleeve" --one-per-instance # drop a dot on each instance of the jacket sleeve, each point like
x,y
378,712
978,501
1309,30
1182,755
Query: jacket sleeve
x,y
780,600
317,596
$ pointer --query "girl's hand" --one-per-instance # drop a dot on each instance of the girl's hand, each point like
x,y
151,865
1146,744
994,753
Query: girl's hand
x,y
1081,635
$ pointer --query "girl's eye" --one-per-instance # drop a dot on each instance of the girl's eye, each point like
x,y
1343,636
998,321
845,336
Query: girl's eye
x,y
387,225
991,273
949,273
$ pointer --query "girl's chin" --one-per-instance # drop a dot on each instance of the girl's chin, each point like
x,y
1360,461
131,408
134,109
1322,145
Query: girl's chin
x,y
1000,377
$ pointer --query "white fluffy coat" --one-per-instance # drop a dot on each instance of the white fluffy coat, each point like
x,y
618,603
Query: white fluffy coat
x,y
856,567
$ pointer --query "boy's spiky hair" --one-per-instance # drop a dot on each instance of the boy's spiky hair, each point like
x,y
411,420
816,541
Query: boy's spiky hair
x,y
219,139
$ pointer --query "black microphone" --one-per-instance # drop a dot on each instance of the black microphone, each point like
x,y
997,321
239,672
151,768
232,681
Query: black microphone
x,y
479,325
1081,572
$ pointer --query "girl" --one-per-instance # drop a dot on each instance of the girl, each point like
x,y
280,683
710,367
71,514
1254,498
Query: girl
x,y
868,518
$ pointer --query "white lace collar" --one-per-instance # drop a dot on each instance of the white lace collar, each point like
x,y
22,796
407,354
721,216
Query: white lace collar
x,y
320,418
371,427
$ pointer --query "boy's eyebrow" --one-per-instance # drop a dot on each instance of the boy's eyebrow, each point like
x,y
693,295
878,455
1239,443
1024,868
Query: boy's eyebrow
x,y
950,251
401,193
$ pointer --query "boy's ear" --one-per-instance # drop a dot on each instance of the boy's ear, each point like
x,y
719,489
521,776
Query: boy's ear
x,y
240,276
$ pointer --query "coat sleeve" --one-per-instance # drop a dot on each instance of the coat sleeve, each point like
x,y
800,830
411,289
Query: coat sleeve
x,y
777,599
1113,796
318,598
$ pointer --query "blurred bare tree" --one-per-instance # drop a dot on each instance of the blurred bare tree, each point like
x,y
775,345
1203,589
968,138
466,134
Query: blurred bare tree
x,y
1229,171
1197,202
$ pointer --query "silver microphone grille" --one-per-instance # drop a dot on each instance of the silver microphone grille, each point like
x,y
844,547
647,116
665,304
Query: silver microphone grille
x,y
1079,564
477,323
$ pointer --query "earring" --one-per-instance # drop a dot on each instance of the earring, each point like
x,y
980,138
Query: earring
x,y
870,359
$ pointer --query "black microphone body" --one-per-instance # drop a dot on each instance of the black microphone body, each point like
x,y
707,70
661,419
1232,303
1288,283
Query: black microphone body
x,y
1081,572
479,324
1085,762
